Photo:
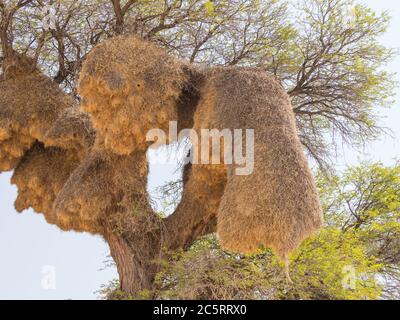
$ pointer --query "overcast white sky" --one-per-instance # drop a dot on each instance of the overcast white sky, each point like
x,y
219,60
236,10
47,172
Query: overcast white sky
x,y
28,245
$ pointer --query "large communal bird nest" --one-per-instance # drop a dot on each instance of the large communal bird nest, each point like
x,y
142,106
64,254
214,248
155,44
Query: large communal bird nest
x,y
130,86
40,175
277,204
29,104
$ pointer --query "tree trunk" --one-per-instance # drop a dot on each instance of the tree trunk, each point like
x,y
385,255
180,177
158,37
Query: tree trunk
x,y
134,274
196,214
134,261
142,241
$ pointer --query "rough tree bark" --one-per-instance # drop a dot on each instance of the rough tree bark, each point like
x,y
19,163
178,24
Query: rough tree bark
x,y
135,273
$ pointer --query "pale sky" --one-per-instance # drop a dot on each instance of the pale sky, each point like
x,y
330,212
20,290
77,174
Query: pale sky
x,y
29,246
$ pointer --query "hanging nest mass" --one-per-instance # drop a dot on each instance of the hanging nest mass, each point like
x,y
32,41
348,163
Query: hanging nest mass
x,y
130,86
39,177
29,104
104,184
276,204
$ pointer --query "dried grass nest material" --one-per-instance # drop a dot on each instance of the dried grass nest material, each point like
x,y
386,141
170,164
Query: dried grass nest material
x,y
73,131
104,184
130,86
29,105
277,205
39,177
